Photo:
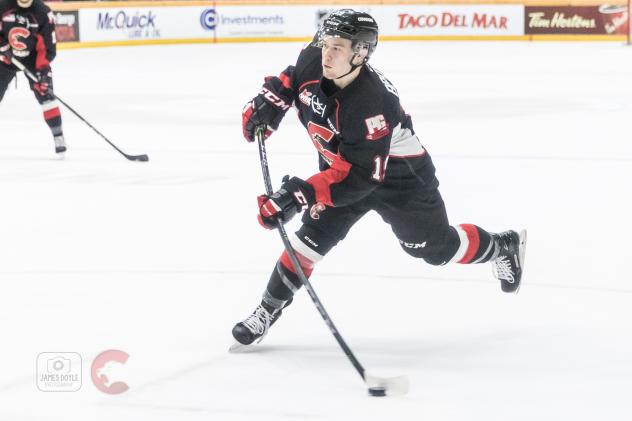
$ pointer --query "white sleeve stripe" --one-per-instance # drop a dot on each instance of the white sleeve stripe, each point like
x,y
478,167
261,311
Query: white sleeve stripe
x,y
404,143
304,249
462,247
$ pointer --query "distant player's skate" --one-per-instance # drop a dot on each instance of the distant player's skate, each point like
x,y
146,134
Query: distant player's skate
x,y
60,147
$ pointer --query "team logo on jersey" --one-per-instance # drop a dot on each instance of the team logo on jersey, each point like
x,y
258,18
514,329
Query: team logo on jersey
x,y
16,35
311,100
320,137
318,107
377,127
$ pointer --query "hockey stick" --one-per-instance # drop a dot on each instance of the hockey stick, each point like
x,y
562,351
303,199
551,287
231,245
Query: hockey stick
x,y
394,386
31,76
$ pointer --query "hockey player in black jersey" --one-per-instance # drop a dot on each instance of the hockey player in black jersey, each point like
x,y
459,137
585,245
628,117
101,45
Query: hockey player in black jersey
x,y
27,32
370,159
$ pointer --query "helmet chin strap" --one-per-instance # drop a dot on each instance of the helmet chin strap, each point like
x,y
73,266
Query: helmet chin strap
x,y
353,66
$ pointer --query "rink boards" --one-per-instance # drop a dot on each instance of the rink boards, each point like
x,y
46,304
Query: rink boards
x,y
92,24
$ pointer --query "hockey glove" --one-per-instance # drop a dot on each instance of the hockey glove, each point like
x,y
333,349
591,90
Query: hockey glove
x,y
5,54
264,109
44,80
294,196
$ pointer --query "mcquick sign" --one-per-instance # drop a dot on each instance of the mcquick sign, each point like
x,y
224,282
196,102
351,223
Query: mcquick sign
x,y
124,20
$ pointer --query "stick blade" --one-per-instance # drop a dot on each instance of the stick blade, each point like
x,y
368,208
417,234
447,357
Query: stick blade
x,y
141,158
392,386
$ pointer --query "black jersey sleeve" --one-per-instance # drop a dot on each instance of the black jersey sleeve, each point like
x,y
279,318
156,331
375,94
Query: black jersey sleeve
x,y
46,46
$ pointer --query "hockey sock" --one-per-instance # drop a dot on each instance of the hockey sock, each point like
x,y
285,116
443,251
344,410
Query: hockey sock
x,y
477,245
52,115
284,282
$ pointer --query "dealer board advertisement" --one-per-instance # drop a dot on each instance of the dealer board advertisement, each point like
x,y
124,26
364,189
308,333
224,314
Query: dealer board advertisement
x,y
144,23
67,26
596,20
222,22
273,21
452,20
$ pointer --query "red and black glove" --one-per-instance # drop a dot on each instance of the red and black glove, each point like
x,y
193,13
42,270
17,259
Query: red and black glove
x,y
294,196
44,80
264,109
6,52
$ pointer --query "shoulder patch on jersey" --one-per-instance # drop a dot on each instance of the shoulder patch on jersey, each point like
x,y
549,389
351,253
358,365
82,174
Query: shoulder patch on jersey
x,y
305,97
377,127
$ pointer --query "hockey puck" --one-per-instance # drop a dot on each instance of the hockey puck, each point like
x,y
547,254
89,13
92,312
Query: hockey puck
x,y
377,391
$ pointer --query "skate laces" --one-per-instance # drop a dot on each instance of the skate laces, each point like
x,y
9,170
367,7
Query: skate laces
x,y
502,269
259,321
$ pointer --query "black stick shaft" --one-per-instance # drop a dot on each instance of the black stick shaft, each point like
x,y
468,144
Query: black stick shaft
x,y
31,76
259,133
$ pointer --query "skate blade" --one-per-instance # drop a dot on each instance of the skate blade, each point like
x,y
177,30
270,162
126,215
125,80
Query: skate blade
x,y
522,248
239,348
60,156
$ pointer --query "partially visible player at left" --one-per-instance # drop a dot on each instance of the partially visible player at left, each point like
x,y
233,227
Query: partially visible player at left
x,y
27,33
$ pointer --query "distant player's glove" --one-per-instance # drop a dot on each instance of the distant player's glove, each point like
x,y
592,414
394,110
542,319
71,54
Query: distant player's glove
x,y
6,53
44,80
294,196
264,109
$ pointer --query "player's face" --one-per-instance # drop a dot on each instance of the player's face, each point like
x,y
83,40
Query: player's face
x,y
337,54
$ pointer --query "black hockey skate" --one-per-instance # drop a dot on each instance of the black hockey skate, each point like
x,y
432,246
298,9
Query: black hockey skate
x,y
509,264
256,326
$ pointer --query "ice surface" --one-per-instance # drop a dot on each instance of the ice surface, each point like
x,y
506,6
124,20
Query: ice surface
x,y
161,259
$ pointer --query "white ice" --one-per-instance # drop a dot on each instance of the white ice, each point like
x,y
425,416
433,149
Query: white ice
x,y
161,259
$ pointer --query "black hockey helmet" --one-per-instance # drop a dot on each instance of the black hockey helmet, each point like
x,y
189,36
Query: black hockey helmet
x,y
359,27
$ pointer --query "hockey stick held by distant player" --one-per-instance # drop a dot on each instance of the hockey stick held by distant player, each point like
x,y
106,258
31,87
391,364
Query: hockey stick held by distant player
x,y
394,386
19,65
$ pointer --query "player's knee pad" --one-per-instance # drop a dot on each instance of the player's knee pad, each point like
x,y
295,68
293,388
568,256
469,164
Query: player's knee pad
x,y
435,260
417,250
420,252
310,245
313,241
436,250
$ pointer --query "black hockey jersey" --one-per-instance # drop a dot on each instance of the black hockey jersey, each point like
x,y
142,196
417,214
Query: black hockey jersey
x,y
30,32
361,132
